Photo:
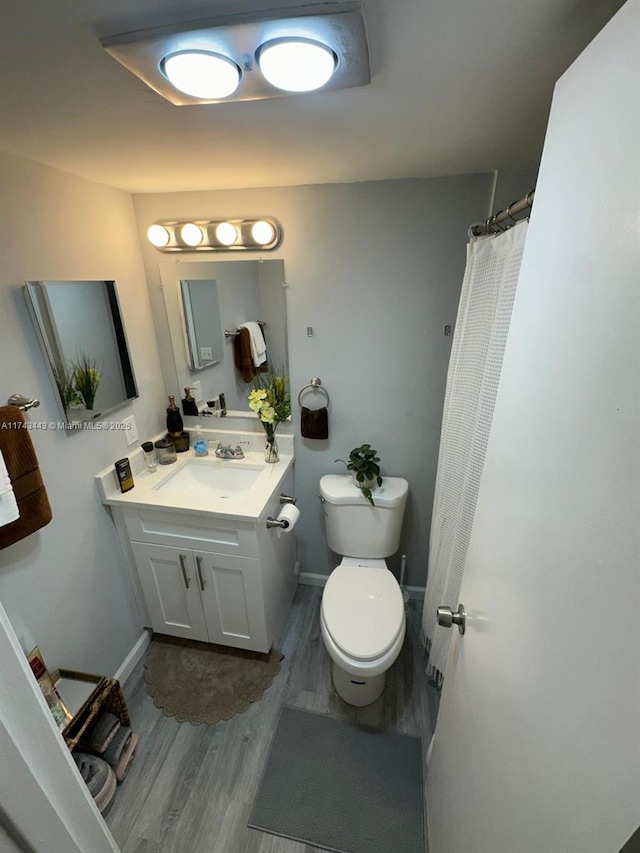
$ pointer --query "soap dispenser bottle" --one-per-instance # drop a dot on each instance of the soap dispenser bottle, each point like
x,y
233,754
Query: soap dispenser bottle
x,y
175,427
200,444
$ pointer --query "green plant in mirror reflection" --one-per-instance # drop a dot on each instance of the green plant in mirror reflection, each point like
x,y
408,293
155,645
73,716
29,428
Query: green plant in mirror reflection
x,y
86,379
64,377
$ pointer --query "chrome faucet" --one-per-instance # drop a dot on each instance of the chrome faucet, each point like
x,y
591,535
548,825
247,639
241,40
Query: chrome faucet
x,y
225,451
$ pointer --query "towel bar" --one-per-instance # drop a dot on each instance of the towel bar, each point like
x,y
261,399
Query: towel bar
x,y
316,384
23,403
229,333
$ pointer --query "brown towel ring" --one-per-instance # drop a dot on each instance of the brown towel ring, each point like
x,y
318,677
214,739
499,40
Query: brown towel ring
x,y
316,384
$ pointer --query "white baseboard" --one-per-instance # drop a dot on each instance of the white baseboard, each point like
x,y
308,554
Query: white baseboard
x,y
310,579
415,592
134,657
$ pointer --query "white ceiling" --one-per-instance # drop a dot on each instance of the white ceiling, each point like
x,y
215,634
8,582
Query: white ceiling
x,y
457,86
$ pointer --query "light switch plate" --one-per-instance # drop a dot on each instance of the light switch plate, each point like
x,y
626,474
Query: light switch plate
x,y
196,391
130,430
206,353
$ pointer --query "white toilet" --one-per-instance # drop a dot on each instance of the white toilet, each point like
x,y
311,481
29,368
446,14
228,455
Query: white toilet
x,y
362,615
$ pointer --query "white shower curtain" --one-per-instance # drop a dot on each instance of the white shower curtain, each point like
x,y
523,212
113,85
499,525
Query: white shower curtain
x,y
482,326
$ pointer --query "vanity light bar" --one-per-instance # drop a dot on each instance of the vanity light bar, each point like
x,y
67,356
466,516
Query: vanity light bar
x,y
216,235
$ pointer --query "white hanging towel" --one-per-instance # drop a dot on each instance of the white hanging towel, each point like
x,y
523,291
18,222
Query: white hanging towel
x,y
258,345
8,505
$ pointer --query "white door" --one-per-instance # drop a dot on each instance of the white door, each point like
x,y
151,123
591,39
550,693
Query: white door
x,y
232,600
537,743
169,582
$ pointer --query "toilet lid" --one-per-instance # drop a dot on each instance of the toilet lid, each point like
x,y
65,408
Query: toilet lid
x,y
363,610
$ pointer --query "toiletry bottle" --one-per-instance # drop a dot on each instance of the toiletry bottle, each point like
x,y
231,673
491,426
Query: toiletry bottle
x,y
223,406
123,473
149,456
200,444
175,427
189,405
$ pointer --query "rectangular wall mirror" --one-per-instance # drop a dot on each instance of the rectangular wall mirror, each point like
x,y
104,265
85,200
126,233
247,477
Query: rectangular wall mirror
x,y
82,335
201,322
206,301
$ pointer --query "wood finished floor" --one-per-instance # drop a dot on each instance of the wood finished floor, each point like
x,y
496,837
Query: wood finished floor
x,y
190,788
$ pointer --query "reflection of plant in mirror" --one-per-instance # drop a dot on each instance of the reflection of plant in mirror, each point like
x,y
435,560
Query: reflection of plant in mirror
x,y
86,379
363,463
64,378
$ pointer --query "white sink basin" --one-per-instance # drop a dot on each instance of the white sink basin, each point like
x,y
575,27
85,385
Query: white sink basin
x,y
219,477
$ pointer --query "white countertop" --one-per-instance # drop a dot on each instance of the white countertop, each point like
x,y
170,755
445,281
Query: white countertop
x,y
248,505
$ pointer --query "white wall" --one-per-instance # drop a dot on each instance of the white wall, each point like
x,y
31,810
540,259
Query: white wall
x,y
66,586
376,269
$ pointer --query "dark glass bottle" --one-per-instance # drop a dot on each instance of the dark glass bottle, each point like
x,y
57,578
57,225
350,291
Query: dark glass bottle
x,y
175,427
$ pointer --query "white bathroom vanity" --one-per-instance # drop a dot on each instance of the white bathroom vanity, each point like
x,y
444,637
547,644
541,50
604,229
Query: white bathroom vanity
x,y
204,564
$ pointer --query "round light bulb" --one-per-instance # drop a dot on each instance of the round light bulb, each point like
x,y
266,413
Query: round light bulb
x,y
158,236
191,234
201,74
296,65
263,232
226,233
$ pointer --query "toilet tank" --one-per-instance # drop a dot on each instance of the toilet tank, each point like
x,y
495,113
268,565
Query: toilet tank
x,y
354,527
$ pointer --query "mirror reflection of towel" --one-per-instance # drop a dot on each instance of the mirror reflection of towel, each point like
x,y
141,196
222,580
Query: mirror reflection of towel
x,y
314,423
256,341
243,358
22,467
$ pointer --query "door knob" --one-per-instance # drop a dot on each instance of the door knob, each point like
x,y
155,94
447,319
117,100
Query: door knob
x,y
447,618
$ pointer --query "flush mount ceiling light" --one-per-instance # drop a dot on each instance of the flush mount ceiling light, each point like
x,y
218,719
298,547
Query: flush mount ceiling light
x,y
250,55
216,235
201,74
296,65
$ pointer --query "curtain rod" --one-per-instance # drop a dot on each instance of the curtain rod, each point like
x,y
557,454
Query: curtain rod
x,y
492,224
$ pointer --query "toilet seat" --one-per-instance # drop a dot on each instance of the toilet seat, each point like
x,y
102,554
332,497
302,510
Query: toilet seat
x,y
363,611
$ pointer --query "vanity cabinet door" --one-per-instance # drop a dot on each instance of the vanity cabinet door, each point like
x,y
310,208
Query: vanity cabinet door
x,y
232,599
171,589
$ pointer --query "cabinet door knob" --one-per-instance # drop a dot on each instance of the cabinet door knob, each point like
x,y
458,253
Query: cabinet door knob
x,y
200,575
187,579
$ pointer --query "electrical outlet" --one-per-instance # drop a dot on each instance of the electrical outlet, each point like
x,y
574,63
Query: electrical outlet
x,y
206,354
130,429
196,391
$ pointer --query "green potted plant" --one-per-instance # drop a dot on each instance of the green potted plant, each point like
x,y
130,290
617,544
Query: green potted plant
x,y
363,464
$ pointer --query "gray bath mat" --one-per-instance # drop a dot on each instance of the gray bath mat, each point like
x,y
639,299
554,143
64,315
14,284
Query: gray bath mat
x,y
341,787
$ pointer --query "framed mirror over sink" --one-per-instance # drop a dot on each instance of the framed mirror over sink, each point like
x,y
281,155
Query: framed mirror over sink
x,y
206,302
82,336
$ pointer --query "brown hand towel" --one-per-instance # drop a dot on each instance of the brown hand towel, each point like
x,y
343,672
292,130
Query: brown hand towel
x,y
22,467
242,354
314,423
